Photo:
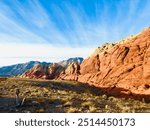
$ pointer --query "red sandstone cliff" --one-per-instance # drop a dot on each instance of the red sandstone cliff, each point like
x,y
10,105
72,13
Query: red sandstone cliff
x,y
68,69
122,68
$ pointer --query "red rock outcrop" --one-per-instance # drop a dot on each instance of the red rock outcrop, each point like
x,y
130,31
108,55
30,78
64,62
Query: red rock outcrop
x,y
123,69
71,72
44,72
67,69
120,69
38,72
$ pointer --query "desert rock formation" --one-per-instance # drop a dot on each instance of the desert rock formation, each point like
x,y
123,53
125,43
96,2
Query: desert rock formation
x,y
120,69
68,69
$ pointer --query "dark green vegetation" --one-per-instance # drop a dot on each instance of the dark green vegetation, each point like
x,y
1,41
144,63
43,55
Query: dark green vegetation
x,y
62,96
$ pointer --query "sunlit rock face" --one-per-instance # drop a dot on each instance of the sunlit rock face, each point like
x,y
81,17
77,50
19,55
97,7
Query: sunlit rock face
x,y
60,70
122,68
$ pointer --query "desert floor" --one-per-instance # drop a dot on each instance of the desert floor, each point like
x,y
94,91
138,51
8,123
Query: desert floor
x,y
53,96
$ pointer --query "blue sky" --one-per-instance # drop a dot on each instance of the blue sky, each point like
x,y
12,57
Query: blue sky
x,y
53,30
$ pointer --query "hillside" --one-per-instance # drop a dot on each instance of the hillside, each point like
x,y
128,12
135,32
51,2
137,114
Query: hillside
x,y
52,71
120,69
17,69
123,70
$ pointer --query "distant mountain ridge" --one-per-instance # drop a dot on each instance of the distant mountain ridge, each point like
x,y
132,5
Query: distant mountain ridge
x,y
53,70
64,63
18,69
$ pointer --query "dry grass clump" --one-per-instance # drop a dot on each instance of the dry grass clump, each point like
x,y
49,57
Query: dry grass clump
x,y
72,110
87,104
92,109
68,104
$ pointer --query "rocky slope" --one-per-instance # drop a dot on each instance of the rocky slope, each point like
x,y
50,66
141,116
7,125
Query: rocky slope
x,y
122,69
17,69
55,70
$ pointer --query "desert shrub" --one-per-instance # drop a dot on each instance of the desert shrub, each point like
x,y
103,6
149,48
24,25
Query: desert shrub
x,y
104,96
112,98
87,104
92,109
72,110
68,103
126,109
